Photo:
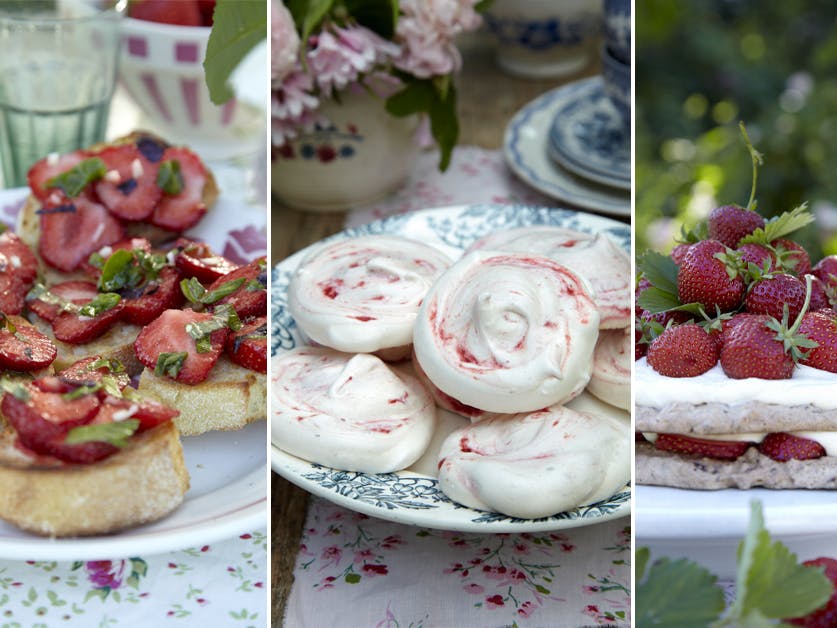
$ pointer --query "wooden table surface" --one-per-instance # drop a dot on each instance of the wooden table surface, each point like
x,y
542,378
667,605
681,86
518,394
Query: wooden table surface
x,y
487,101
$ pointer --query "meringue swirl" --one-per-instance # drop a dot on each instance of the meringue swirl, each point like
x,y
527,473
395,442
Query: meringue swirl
x,y
606,266
349,412
361,295
612,358
507,333
538,464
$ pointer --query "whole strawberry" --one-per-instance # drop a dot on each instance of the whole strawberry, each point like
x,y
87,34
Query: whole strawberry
x,y
771,293
821,327
760,346
683,351
826,616
792,256
781,446
679,252
729,223
819,295
708,280
752,253
826,270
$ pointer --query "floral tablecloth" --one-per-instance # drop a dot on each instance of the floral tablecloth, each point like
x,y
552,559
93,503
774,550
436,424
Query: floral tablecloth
x,y
222,584
357,571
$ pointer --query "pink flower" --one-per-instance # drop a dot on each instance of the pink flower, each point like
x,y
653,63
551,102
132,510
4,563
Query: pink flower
x,y
284,42
473,589
495,573
331,555
495,601
426,29
293,106
526,609
363,555
104,573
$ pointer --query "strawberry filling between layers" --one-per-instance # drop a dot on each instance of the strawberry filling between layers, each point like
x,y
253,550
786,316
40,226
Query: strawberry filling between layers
x,y
779,446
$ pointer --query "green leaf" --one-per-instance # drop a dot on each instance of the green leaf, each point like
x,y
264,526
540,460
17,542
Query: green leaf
x,y
655,300
314,15
224,316
660,270
352,578
770,582
81,391
117,433
238,26
780,226
100,304
641,557
376,15
170,363
678,593
15,389
169,178
73,181
119,272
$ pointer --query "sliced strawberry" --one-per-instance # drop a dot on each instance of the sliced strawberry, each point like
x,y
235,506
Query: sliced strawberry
x,y
196,259
70,326
155,297
180,211
49,167
250,299
128,244
207,8
168,335
70,232
18,271
720,449
181,13
149,413
25,348
129,189
248,346
781,446
826,615
90,371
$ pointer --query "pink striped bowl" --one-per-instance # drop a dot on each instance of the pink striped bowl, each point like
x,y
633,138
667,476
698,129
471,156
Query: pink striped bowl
x,y
162,69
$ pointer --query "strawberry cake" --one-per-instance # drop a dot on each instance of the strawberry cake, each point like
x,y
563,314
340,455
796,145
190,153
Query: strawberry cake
x,y
737,359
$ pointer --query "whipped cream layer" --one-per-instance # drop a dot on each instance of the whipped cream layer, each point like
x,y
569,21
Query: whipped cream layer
x,y
808,386
606,266
348,412
361,295
538,464
611,378
507,332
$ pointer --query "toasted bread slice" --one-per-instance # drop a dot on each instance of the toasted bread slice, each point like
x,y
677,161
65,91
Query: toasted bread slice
x,y
142,483
229,399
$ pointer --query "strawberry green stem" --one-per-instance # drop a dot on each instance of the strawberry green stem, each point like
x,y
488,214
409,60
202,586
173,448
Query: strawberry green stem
x,y
804,310
756,156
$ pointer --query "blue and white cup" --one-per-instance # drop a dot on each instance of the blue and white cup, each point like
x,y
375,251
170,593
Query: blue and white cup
x,y
616,76
617,28
545,38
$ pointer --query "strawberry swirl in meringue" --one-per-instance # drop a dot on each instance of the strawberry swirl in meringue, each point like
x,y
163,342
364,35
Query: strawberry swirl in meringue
x,y
349,412
612,358
535,465
605,265
361,295
507,332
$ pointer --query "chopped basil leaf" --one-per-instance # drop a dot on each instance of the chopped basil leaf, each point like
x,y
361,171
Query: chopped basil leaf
x,y
223,317
15,389
126,269
81,391
170,363
9,325
117,433
77,178
111,386
97,260
169,178
253,285
114,366
196,293
101,304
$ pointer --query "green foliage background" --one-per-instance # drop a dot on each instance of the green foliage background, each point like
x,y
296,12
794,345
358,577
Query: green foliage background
x,y
703,65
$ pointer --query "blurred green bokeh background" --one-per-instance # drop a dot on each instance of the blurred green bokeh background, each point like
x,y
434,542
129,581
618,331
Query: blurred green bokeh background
x,y
703,65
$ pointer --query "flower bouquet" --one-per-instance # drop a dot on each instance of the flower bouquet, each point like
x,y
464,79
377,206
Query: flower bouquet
x,y
398,51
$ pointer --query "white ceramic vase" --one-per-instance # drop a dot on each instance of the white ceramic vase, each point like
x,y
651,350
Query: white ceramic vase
x,y
361,155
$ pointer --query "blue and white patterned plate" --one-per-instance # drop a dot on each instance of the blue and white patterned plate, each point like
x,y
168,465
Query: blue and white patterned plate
x,y
413,496
590,138
525,147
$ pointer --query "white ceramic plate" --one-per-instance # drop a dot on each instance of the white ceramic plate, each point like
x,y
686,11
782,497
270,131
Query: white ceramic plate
x,y
228,489
525,147
707,526
412,496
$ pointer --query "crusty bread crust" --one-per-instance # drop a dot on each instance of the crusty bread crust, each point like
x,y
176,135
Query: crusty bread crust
x,y
229,399
664,468
142,483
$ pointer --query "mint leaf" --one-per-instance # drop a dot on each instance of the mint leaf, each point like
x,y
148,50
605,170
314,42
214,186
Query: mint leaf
x,y
169,178
117,433
769,581
678,593
77,178
238,25
780,226
660,270
170,363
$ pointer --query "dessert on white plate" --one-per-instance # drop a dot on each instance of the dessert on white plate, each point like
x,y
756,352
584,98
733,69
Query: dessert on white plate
x,y
350,412
361,295
507,332
603,264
